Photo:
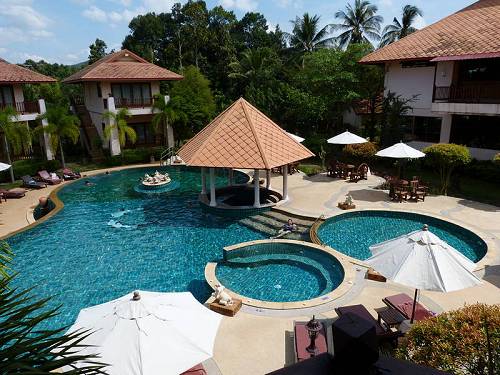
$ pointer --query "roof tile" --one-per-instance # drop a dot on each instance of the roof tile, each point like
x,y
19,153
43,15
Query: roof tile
x,y
12,73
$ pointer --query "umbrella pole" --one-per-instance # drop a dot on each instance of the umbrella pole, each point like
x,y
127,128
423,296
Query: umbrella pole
x,y
414,306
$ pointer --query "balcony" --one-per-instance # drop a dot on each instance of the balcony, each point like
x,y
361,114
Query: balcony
x,y
133,103
23,107
481,93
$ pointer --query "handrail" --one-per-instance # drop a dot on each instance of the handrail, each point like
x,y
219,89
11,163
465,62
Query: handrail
x,y
166,154
313,231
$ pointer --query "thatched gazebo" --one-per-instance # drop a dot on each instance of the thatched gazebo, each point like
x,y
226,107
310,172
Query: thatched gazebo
x,y
242,137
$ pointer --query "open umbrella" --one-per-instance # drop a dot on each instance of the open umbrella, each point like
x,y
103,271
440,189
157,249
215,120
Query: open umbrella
x,y
296,137
346,138
400,151
4,167
422,260
148,333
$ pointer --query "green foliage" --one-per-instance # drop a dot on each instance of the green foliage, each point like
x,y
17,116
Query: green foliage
x,y
311,169
393,120
134,156
119,123
398,30
165,115
360,153
445,158
496,158
462,342
97,50
31,167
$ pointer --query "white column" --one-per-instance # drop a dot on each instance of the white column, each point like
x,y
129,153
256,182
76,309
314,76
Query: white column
x,y
114,142
203,181
268,179
230,177
285,182
213,202
444,136
256,188
170,129
46,138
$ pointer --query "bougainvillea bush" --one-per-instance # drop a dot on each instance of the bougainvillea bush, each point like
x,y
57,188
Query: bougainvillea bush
x,y
463,342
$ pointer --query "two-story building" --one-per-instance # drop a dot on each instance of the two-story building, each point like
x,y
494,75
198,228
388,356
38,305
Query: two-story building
x,y
12,79
118,80
453,68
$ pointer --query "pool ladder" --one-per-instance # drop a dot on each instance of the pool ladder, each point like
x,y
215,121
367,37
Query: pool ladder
x,y
166,156
313,232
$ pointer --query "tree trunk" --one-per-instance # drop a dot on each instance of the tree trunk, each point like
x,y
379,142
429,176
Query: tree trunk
x,y
62,154
7,151
165,137
179,49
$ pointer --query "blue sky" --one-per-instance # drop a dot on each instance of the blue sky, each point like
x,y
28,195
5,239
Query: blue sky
x,y
61,30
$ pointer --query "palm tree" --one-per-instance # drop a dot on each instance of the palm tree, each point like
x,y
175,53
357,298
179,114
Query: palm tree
x,y
307,36
119,119
398,30
253,65
165,116
15,136
61,125
359,23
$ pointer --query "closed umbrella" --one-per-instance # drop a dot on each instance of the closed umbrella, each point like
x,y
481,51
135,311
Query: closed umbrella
x,y
4,167
422,260
296,137
346,138
149,333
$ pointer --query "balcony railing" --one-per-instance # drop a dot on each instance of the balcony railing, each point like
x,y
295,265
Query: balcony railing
x,y
23,107
133,103
477,93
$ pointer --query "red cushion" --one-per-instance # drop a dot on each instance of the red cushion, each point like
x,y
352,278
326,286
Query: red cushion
x,y
196,370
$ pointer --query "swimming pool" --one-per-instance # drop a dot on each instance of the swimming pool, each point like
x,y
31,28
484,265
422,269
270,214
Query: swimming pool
x,y
280,271
109,240
354,232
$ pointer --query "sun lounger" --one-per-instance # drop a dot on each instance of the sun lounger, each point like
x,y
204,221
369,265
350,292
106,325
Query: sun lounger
x,y
46,177
13,193
68,174
196,370
404,304
30,182
362,312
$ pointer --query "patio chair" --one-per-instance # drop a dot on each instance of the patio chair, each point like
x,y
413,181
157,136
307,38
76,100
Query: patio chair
x,y
196,370
13,193
68,174
360,174
417,191
46,177
382,332
404,304
332,170
293,168
400,191
30,182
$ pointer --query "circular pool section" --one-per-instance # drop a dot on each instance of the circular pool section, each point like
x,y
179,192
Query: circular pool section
x,y
354,232
279,271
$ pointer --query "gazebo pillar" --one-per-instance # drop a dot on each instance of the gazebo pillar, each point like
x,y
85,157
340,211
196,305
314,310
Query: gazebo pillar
x,y
213,202
230,177
285,181
268,179
256,188
203,181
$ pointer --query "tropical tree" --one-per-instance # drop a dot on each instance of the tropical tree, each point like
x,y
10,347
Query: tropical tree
x,y
119,123
306,34
60,125
97,50
164,116
16,136
359,23
398,30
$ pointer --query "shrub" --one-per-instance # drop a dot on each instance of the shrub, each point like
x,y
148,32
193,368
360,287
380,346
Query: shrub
x,y
463,341
134,156
496,158
310,169
360,153
31,167
445,158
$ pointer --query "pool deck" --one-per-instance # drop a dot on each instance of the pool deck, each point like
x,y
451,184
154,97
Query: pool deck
x,y
259,341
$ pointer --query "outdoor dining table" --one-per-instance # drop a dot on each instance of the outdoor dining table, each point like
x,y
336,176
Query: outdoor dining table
x,y
348,168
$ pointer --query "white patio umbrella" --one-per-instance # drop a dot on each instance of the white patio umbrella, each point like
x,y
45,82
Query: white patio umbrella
x,y
149,333
296,137
4,167
346,138
400,151
422,260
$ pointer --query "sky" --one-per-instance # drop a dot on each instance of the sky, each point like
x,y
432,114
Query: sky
x,y
61,30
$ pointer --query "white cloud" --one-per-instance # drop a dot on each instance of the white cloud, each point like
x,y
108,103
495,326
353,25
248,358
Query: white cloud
x,y
386,3
420,22
244,5
28,56
95,14
159,6
296,4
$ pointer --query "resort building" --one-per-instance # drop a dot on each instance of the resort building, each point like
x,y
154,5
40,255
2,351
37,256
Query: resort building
x,y
12,80
451,69
119,80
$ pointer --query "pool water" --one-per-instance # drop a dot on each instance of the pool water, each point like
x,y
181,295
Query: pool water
x,y
354,232
109,240
280,273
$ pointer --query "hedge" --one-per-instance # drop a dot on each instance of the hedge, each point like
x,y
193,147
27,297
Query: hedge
x,y
30,167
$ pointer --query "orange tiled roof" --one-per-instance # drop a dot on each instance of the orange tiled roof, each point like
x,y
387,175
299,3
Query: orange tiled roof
x,y
122,66
473,30
12,73
242,137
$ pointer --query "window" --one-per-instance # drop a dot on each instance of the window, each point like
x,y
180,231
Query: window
x,y
480,70
130,94
145,134
99,91
476,131
425,129
6,96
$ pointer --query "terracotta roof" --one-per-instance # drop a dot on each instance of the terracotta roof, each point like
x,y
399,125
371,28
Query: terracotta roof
x,y
12,73
122,66
242,137
471,31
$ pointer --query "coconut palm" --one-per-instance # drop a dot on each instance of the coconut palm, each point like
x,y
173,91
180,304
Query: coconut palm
x,y
359,23
119,122
398,30
61,125
16,136
307,36
165,115
253,65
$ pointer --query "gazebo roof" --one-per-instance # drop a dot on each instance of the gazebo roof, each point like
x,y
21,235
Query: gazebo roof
x,y
242,137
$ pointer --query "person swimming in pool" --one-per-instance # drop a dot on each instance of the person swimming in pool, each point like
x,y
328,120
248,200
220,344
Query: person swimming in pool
x,y
288,227
88,183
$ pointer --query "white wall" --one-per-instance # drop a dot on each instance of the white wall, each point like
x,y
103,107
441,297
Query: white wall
x,y
444,73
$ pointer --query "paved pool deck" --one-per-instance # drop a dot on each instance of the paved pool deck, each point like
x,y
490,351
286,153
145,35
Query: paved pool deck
x,y
257,342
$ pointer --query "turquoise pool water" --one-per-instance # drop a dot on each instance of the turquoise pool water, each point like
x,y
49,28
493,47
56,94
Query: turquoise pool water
x,y
354,232
109,240
280,272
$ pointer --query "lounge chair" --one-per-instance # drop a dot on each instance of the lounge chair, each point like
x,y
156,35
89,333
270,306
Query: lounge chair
x,y
30,182
46,177
196,370
360,174
13,193
382,332
68,174
404,304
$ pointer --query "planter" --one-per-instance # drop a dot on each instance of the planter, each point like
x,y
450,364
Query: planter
x,y
345,206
